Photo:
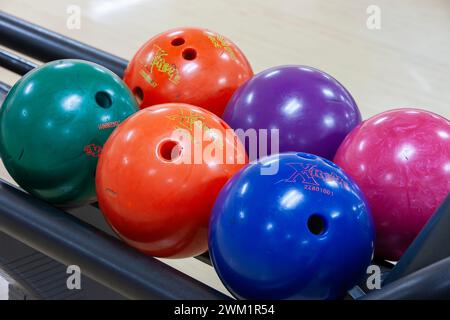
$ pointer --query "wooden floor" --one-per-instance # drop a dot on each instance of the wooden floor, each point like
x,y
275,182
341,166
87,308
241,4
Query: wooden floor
x,y
405,63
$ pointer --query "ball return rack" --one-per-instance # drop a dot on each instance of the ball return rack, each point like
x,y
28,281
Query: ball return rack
x,y
39,241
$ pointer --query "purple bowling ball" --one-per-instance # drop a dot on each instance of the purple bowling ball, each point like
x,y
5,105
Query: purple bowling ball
x,y
311,109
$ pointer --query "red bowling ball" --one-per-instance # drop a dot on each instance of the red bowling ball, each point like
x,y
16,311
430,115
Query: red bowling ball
x,y
160,173
401,161
187,65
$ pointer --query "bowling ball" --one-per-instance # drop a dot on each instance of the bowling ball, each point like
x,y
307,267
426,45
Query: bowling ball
x,y
53,124
312,111
401,161
187,65
159,175
291,226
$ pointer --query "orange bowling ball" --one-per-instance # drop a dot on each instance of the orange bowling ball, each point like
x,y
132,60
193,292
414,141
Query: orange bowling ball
x,y
160,173
187,65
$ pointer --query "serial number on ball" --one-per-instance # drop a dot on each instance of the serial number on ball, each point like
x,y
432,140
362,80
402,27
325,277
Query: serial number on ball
x,y
325,191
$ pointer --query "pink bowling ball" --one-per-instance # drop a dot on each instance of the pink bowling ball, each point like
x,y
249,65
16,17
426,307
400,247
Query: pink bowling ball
x,y
401,161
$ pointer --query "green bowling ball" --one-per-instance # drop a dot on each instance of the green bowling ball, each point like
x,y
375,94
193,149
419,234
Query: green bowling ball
x,y
53,125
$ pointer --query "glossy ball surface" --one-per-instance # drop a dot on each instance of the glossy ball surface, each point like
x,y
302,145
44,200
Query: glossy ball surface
x,y
188,65
156,184
304,232
53,125
401,161
312,111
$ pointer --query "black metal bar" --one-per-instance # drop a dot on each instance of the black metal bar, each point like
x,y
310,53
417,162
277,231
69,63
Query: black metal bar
x,y
100,256
432,282
430,246
45,45
36,274
15,63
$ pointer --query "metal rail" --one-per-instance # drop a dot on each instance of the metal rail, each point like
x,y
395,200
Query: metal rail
x,y
100,256
431,282
45,45
15,63
430,246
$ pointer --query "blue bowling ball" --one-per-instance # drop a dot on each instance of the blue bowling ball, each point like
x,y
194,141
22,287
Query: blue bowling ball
x,y
291,226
